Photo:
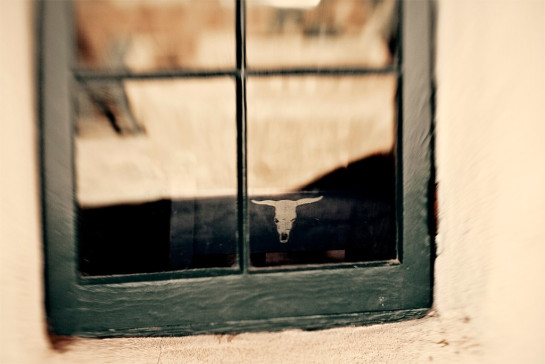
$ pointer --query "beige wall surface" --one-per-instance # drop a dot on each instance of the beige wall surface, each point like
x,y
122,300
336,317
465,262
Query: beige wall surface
x,y
489,273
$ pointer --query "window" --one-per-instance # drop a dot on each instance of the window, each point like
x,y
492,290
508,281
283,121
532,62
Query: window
x,y
222,166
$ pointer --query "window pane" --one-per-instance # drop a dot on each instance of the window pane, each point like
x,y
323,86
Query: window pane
x,y
321,169
156,175
143,35
321,33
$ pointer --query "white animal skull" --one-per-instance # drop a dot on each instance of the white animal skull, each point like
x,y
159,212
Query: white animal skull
x,y
285,214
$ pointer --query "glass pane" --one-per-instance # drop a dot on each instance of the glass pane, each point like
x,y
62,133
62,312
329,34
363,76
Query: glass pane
x,y
144,35
284,33
156,175
321,169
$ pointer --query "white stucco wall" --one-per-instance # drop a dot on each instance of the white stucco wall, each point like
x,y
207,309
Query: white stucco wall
x,y
490,278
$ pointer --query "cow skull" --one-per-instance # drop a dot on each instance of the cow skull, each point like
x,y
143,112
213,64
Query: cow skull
x,y
285,214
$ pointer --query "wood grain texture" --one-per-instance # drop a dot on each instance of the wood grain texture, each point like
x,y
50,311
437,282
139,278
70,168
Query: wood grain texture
x,y
233,327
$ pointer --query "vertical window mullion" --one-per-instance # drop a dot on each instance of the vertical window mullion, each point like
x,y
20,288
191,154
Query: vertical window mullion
x,y
398,149
242,186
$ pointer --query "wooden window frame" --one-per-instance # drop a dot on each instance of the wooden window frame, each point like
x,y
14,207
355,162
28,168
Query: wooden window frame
x,y
242,298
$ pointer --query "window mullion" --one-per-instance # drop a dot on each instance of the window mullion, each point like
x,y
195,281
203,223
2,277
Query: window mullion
x,y
242,185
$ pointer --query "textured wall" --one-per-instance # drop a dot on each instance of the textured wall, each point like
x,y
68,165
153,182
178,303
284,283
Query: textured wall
x,y
490,267
490,152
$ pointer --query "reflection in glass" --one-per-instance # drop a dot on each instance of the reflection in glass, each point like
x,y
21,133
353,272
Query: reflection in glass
x,y
321,33
321,169
155,172
144,35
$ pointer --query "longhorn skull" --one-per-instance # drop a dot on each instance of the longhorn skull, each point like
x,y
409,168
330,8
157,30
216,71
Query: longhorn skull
x,y
285,214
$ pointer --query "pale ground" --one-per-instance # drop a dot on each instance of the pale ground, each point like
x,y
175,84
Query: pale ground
x,y
299,129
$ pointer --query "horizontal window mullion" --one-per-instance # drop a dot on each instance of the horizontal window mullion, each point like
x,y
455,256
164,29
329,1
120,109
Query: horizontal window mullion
x,y
166,74
333,71
317,71
158,276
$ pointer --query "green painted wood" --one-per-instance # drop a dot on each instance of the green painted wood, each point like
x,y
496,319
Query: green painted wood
x,y
239,297
233,300
57,161
234,327
416,151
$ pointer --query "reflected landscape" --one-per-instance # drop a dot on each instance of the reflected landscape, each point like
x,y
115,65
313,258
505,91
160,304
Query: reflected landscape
x,y
156,159
321,33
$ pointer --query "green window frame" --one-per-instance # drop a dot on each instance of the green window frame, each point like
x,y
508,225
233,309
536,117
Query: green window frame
x,y
237,299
